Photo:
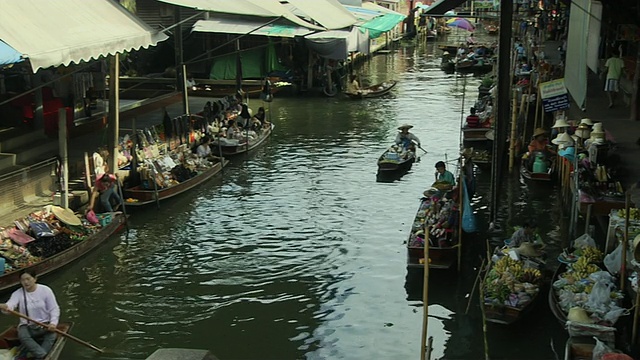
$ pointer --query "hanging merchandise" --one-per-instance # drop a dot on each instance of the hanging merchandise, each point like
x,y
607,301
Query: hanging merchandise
x,y
468,217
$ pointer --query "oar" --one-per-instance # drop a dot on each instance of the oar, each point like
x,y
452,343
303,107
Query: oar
x,y
56,330
419,147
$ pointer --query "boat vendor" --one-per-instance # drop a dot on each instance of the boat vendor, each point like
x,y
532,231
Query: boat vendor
x,y
353,87
473,120
540,142
405,138
203,149
525,234
105,190
38,302
444,178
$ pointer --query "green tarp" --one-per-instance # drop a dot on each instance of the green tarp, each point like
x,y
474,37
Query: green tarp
x,y
256,64
381,24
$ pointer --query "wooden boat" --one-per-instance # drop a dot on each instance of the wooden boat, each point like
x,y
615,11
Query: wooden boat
x,y
374,91
529,175
439,257
450,48
507,315
12,279
395,161
470,67
243,147
554,302
579,348
448,66
9,339
148,196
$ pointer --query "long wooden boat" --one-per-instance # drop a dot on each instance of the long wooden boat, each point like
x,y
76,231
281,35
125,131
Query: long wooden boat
x,y
468,67
507,315
554,302
12,279
393,161
374,91
148,196
243,147
439,257
9,339
579,348
529,175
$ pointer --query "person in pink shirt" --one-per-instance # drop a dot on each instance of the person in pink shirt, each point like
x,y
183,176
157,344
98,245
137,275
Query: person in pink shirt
x,y
38,302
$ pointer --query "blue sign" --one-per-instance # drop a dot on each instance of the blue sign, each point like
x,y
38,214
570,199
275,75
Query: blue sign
x,y
555,103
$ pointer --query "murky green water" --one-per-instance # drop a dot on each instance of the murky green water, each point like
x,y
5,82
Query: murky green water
x,y
297,252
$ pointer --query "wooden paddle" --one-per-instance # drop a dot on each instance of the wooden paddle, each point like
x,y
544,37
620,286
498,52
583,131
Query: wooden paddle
x,y
56,330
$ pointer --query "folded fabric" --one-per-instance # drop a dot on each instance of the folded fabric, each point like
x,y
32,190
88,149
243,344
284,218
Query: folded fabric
x,y
40,229
19,237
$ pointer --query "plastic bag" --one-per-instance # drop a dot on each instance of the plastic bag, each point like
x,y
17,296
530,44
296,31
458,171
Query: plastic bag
x,y
91,217
613,261
584,241
600,350
468,217
600,295
612,315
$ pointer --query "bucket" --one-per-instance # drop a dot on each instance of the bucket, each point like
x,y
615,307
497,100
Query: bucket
x,y
540,166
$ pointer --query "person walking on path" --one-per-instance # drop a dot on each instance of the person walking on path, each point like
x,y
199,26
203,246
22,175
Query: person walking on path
x,y
614,68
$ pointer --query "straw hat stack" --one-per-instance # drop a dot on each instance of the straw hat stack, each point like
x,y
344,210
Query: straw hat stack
x,y
583,131
586,121
561,122
563,140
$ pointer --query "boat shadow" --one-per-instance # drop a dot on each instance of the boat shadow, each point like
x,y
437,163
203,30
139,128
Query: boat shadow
x,y
389,176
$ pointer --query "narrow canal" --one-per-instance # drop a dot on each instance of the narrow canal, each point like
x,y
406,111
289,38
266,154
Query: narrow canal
x,y
297,252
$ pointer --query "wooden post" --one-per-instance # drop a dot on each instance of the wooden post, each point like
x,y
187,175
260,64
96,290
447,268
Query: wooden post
x,y
425,296
512,140
114,109
185,91
526,113
64,156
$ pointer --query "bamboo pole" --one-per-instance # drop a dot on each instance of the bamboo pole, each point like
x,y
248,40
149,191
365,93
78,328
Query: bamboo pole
x,y
475,284
484,319
512,140
425,297
625,242
526,113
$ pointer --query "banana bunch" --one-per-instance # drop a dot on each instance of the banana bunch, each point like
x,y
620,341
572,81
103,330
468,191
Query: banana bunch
x,y
530,275
508,265
583,268
634,213
591,255
601,173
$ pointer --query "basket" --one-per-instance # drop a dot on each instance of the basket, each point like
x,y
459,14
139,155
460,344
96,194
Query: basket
x,y
104,219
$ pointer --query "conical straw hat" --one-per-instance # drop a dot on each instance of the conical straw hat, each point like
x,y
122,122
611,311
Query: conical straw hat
x,y
66,216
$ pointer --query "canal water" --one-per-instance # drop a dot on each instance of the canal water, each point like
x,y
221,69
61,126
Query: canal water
x,y
297,252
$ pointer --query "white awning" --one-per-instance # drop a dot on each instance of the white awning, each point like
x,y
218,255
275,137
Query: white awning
x,y
382,9
53,33
328,13
262,8
253,25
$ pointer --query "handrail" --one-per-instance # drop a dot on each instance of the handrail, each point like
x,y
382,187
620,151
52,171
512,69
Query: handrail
x,y
40,164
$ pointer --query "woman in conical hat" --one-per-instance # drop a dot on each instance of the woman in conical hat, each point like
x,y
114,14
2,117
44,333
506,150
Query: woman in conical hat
x,y
405,138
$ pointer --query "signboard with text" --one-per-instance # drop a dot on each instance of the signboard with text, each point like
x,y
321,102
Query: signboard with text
x,y
554,95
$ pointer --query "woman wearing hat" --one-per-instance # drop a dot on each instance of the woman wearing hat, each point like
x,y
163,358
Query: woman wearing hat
x,y
405,138
540,142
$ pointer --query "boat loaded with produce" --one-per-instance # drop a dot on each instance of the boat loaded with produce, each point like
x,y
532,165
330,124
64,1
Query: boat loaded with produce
x,y
584,296
49,239
511,287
